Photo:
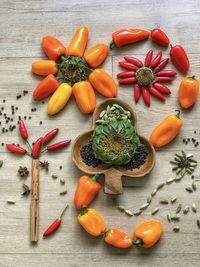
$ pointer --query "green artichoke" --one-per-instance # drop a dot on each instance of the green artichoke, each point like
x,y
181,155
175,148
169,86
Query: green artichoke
x,y
114,142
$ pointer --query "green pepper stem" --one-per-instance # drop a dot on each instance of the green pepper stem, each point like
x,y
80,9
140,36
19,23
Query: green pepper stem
x,y
112,44
94,178
138,242
67,206
178,113
84,210
62,57
192,77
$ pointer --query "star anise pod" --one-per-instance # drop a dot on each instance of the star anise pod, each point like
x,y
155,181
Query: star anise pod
x,y
23,171
27,190
44,165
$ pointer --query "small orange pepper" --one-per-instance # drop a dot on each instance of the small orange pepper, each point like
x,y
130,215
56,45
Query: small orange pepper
x,y
45,88
148,233
103,83
52,47
166,131
91,221
78,42
96,55
85,96
86,191
44,67
118,238
188,92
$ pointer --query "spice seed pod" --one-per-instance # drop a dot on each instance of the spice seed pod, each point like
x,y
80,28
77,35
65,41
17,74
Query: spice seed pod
x,y
175,218
176,229
164,201
169,181
160,186
178,210
154,211
198,223
154,192
128,212
194,208
186,210
189,189
144,206
194,187
121,208
137,212
168,217
173,200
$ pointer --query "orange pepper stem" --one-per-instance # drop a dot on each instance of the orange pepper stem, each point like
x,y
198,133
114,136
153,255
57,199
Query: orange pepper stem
x,y
138,242
178,113
112,44
94,178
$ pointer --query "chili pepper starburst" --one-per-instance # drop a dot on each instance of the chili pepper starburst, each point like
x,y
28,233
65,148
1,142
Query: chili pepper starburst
x,y
148,77
72,70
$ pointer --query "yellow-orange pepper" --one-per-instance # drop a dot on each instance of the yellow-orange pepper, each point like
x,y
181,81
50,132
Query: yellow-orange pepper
x,y
188,92
103,83
59,99
44,67
148,233
78,42
166,131
92,221
118,238
85,96
96,55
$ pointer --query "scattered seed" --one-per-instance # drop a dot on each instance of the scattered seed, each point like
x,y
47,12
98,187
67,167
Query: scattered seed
x,y
169,181
122,208
175,218
178,210
62,181
189,189
189,155
54,176
149,198
1,163
160,186
168,217
186,210
137,212
173,200
153,193
194,187
176,229
128,212
144,206
10,201
198,223
194,208
63,192
164,201
178,178
154,211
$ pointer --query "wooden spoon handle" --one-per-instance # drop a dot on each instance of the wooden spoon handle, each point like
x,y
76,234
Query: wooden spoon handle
x,y
113,182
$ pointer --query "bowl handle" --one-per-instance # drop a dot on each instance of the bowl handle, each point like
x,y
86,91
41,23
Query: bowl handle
x,y
113,182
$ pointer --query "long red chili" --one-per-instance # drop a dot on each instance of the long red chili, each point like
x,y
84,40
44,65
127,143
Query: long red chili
x,y
146,95
22,129
126,74
137,92
156,60
156,93
148,58
55,225
161,65
163,79
127,65
180,58
50,135
134,61
162,88
16,149
128,80
37,148
58,145
168,73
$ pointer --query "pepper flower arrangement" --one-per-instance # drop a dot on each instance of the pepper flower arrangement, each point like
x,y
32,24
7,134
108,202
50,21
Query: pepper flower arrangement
x,y
72,70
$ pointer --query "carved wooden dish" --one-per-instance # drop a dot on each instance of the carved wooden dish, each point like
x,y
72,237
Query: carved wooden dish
x,y
113,174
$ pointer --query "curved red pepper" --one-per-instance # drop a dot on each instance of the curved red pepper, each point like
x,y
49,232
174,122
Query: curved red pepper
x,y
162,88
180,58
22,129
127,65
161,65
146,95
126,74
166,73
137,92
128,80
156,60
134,61
58,145
52,47
148,58
156,93
159,37
163,79
36,148
50,135
16,149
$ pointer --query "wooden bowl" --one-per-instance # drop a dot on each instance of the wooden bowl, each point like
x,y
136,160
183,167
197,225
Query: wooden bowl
x,y
113,174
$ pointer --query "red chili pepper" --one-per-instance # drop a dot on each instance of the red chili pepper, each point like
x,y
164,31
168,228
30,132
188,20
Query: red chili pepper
x,y
146,95
156,93
159,37
180,58
161,65
55,225
162,88
134,61
128,80
156,60
58,145
16,149
50,135
126,74
137,92
128,66
167,73
23,130
45,88
163,79
148,58
36,148
52,47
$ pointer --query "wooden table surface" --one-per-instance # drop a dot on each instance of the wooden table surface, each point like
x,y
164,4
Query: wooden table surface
x,y
23,24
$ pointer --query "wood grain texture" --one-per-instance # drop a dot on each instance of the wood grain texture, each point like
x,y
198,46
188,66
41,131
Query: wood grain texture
x,y
23,23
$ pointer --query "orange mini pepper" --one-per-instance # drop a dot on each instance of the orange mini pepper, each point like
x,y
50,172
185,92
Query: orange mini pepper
x,y
188,92
86,191
45,88
148,233
78,42
166,131
103,83
128,36
52,47
118,238
96,55
44,67
91,221
85,96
